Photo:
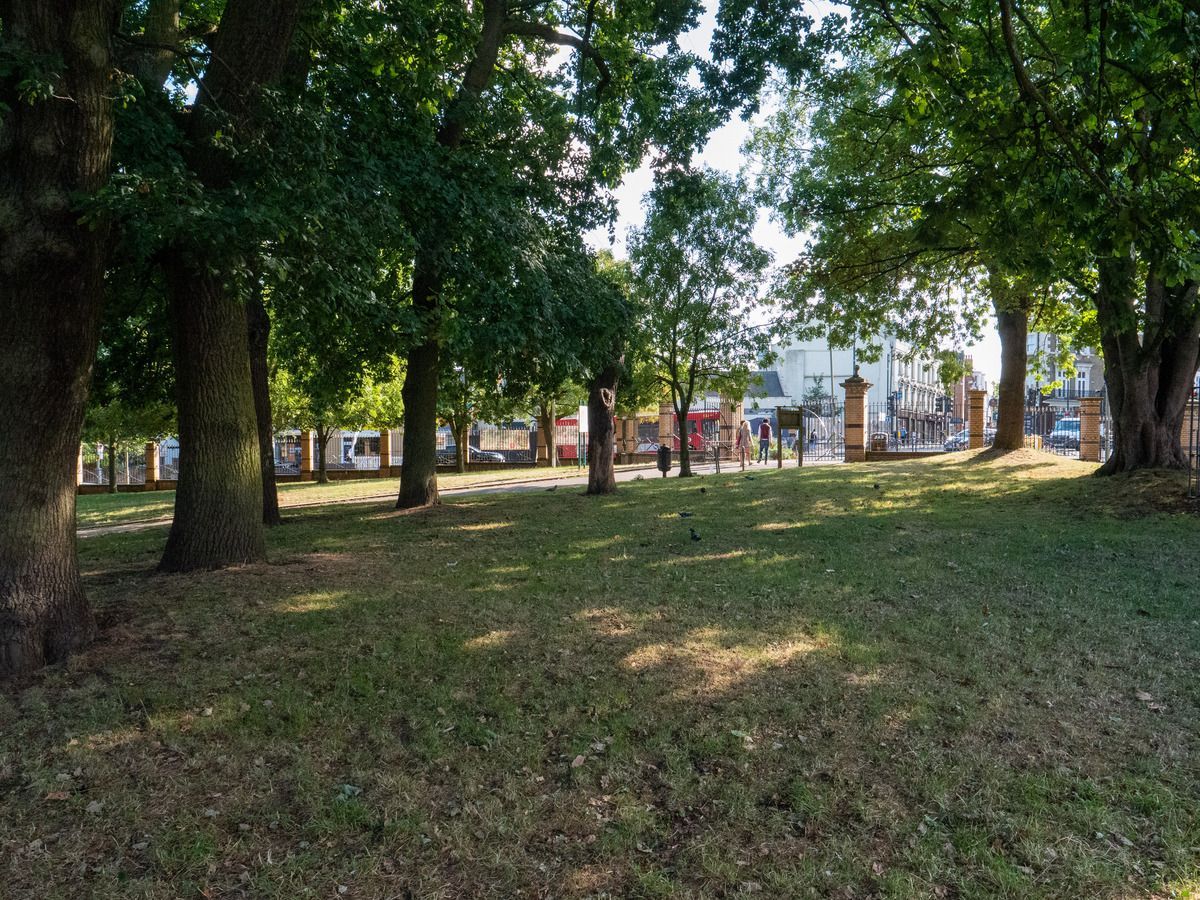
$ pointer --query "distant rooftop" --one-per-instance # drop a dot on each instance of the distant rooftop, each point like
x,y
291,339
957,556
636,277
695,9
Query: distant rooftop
x,y
768,386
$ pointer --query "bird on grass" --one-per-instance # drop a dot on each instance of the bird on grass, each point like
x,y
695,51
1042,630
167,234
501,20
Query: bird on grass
x,y
704,490
695,533
686,515
553,487
876,485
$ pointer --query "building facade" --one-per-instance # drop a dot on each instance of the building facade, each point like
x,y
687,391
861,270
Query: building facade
x,y
906,394
1045,351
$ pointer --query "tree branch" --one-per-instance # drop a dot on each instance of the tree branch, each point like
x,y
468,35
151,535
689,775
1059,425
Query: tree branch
x,y
1030,90
561,38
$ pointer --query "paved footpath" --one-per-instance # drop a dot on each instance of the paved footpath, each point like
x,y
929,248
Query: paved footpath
x,y
496,487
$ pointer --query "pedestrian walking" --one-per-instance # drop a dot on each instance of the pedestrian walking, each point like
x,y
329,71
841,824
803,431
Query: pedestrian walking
x,y
764,441
743,442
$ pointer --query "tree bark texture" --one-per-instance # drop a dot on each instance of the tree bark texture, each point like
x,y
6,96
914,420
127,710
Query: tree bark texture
x,y
218,507
51,287
258,333
1149,377
218,499
602,406
1013,325
418,468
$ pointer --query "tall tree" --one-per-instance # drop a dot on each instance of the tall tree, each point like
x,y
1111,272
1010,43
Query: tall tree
x,y
56,100
1111,92
1087,118
218,502
624,98
697,273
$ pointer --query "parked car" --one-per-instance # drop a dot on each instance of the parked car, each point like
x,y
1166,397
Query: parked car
x,y
1064,435
962,439
448,455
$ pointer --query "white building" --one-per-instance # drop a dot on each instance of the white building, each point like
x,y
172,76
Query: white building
x,y
1087,380
809,372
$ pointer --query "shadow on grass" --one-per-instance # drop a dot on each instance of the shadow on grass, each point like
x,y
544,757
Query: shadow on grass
x,y
923,688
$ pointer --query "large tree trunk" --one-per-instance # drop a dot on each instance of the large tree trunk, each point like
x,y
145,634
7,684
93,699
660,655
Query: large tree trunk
x,y
548,422
112,466
218,506
258,333
602,406
322,454
51,287
1013,325
1149,379
418,469
685,447
218,499
462,452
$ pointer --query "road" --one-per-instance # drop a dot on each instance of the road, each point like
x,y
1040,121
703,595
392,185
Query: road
x,y
576,478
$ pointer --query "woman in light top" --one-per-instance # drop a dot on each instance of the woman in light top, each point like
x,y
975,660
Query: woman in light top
x,y
743,442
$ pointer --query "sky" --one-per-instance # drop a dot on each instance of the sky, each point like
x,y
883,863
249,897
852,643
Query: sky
x,y
724,151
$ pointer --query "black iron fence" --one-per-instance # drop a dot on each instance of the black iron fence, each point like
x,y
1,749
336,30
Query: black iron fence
x,y
1053,423
908,430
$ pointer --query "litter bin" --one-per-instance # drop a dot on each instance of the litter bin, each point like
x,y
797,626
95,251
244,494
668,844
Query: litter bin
x,y
664,459
879,440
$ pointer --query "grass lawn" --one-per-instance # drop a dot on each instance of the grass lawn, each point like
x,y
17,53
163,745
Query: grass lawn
x,y
124,508
978,680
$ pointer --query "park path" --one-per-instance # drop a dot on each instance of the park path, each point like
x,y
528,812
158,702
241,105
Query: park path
x,y
494,487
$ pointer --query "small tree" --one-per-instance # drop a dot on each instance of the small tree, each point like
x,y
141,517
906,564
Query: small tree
x,y
120,426
697,273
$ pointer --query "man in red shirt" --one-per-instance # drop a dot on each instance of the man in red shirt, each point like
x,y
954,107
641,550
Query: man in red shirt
x,y
764,441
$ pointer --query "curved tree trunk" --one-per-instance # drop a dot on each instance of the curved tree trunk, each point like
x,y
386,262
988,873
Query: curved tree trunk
x,y
52,271
602,406
218,499
1149,378
258,333
1013,325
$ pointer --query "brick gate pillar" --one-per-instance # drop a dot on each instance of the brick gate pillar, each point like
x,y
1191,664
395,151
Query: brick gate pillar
x,y
385,452
306,455
629,438
976,438
856,388
1089,429
666,424
152,466
732,413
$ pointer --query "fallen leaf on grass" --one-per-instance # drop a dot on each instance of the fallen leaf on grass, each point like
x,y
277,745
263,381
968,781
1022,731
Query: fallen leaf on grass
x,y
1143,696
58,795
578,761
